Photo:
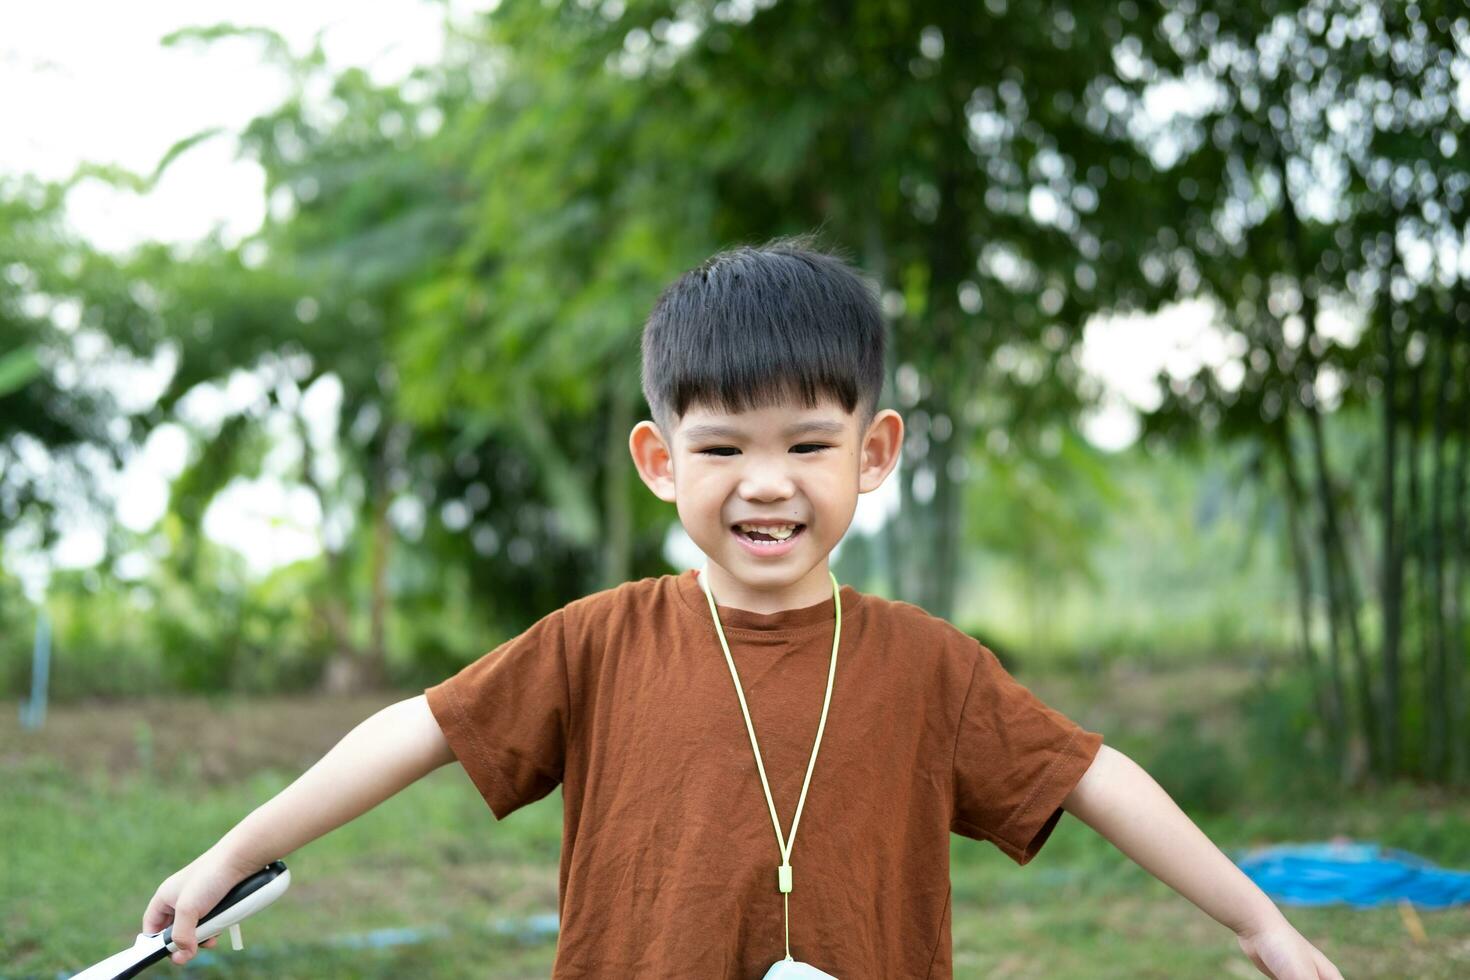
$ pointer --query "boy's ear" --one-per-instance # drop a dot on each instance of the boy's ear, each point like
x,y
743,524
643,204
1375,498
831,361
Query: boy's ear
x,y
653,458
880,449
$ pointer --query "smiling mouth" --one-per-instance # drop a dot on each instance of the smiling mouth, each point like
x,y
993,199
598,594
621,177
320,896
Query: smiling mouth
x,y
760,537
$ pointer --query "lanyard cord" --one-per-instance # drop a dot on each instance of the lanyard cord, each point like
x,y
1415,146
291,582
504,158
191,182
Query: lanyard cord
x,y
783,873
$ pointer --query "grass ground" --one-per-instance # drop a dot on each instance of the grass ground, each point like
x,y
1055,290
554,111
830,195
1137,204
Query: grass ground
x,y
110,799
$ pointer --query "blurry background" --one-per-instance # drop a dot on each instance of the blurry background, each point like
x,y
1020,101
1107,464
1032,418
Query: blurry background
x,y
318,355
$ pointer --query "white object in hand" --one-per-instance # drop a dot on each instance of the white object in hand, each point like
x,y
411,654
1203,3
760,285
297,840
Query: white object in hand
x,y
149,948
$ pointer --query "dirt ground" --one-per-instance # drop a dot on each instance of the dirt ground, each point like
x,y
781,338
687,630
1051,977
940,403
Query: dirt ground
x,y
198,738
214,739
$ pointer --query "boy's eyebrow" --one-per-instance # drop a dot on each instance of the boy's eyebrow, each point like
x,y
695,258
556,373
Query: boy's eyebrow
x,y
710,430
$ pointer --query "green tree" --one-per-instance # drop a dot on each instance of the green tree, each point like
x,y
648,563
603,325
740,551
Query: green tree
x,y
1324,185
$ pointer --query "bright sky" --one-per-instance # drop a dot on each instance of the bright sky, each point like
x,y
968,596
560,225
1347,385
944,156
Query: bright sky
x,y
91,82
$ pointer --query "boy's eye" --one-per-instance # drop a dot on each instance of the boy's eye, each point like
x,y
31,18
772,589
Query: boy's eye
x,y
805,449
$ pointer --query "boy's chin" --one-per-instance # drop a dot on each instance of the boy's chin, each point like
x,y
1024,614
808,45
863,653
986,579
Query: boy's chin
x,y
764,573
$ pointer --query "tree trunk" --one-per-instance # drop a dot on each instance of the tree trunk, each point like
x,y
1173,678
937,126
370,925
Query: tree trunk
x,y
894,534
1392,566
617,505
1414,550
1438,704
950,260
1459,733
1340,579
343,672
1341,585
875,258
382,552
1331,696
389,458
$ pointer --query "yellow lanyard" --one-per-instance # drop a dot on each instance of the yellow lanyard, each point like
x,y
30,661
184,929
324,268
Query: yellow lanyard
x,y
783,873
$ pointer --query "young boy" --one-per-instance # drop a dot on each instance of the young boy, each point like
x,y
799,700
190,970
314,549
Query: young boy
x,y
697,722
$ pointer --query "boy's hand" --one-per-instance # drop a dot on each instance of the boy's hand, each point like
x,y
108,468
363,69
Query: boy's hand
x,y
1282,953
187,894
396,746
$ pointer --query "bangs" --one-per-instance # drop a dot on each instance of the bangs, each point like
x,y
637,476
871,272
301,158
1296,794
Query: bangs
x,y
740,376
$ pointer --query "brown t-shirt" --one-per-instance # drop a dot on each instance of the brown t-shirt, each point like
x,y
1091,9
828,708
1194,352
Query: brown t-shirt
x,y
668,861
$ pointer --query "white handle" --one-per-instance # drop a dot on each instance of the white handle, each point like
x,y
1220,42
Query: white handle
x,y
241,910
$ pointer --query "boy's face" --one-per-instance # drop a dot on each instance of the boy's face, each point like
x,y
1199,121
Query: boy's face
x,y
785,464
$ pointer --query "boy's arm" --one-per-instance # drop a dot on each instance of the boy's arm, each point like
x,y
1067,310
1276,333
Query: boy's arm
x,y
397,746
393,748
1123,803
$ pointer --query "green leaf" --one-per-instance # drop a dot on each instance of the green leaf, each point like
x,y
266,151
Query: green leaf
x,y
17,369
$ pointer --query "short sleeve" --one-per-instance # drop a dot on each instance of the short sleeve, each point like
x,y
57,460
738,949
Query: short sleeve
x,y
1015,761
506,716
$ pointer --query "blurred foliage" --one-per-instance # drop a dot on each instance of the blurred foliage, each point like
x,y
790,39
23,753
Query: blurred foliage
x,y
1196,771
1184,562
52,429
1285,756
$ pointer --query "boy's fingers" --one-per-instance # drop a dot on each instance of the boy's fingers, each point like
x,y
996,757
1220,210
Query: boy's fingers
x,y
183,935
1325,967
157,915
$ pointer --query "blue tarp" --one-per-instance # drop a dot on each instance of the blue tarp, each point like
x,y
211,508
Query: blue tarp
x,y
1361,874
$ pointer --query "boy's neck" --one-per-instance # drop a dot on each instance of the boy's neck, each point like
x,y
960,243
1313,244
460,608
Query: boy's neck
x,y
812,588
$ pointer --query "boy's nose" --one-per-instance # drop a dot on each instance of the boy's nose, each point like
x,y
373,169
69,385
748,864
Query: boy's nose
x,y
768,482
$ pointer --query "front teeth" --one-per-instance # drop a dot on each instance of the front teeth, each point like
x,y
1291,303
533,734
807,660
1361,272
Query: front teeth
x,y
778,531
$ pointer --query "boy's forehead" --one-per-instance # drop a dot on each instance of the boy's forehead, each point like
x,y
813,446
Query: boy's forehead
x,y
786,418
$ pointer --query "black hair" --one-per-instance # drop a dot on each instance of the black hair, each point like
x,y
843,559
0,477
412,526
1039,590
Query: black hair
x,y
753,326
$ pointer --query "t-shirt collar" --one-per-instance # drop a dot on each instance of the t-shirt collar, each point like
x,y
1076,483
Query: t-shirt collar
x,y
687,585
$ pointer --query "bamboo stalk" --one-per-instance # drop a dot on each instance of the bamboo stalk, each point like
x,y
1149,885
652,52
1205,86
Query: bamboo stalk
x,y
1457,735
1414,545
1328,704
1336,716
1341,584
1434,553
1392,569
